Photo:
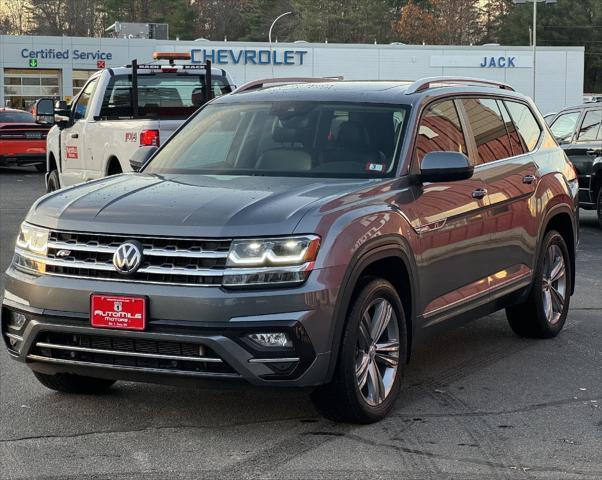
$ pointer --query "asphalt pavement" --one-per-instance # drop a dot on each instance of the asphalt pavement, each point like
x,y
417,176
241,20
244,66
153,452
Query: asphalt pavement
x,y
479,403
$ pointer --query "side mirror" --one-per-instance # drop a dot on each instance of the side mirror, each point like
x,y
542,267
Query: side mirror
x,y
62,111
445,167
44,111
141,156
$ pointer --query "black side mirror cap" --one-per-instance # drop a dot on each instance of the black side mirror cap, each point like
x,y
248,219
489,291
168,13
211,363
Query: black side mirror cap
x,y
445,167
44,111
141,156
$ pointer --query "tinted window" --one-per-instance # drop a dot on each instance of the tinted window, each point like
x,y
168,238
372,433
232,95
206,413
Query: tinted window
x,y
440,130
160,94
314,139
488,129
590,127
517,146
564,126
81,105
528,128
16,117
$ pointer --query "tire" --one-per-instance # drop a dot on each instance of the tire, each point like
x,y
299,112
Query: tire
x,y
69,383
40,167
544,312
599,206
53,182
343,400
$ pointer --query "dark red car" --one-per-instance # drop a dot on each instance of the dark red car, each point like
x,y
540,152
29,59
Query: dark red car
x,y
22,141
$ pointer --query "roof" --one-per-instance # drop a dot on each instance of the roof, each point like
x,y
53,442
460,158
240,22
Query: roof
x,y
357,91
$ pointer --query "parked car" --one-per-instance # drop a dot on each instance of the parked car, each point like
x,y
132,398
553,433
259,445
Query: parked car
x,y
119,110
22,140
306,234
578,130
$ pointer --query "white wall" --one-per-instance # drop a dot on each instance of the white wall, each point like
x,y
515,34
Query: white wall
x,y
559,69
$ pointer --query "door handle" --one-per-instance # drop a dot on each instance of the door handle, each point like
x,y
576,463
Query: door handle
x,y
74,135
479,193
593,153
529,179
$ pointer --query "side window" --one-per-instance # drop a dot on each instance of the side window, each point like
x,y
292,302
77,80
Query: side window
x,y
517,146
591,127
488,127
528,128
440,130
81,106
564,126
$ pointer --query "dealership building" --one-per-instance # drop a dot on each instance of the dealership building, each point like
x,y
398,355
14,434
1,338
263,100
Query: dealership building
x,y
34,67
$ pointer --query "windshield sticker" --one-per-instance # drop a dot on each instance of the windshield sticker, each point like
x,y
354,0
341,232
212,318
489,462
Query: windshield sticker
x,y
375,167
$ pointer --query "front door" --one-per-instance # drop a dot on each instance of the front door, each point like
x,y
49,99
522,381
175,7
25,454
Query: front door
x,y
449,221
73,139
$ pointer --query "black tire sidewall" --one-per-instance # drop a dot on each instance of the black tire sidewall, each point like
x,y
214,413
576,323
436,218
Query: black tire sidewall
x,y
551,238
599,206
377,288
53,182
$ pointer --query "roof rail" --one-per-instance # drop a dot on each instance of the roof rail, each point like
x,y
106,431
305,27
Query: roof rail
x,y
428,82
255,84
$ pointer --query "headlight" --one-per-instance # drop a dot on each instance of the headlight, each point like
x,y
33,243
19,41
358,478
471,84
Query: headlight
x,y
271,260
33,239
32,243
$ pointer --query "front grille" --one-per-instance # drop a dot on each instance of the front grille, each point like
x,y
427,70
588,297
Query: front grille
x,y
165,260
183,357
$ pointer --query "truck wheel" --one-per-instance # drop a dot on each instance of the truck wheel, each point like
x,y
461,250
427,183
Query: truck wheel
x,y
53,181
367,378
69,383
599,206
543,314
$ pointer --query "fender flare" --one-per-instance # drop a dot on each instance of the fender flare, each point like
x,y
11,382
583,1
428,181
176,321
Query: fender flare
x,y
382,247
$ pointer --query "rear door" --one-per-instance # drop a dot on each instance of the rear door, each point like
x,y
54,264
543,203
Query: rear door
x,y
504,133
449,220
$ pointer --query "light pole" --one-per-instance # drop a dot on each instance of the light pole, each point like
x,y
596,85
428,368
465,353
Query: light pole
x,y
534,34
270,37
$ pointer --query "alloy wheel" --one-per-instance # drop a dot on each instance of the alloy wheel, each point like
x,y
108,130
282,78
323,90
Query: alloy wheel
x,y
377,352
554,284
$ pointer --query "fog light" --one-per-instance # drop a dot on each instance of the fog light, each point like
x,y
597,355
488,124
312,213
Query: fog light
x,y
16,321
278,340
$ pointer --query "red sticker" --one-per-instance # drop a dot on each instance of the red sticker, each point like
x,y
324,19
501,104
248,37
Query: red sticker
x,y
71,151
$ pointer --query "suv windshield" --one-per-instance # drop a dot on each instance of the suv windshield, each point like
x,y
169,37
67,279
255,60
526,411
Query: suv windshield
x,y
160,94
314,139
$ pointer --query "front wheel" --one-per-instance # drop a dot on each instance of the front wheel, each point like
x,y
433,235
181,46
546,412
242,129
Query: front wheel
x,y
544,312
599,206
53,181
368,375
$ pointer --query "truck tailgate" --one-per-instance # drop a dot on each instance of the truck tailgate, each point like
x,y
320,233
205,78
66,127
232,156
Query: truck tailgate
x,y
168,127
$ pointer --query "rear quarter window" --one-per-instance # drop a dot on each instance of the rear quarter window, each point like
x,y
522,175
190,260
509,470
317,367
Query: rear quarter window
x,y
528,128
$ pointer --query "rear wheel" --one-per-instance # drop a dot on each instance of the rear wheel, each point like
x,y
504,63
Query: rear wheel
x,y
368,375
69,383
53,181
544,313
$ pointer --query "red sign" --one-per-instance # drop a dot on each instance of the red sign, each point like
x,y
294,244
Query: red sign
x,y
71,151
123,313
100,64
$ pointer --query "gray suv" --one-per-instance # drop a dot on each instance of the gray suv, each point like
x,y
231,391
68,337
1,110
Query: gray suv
x,y
300,233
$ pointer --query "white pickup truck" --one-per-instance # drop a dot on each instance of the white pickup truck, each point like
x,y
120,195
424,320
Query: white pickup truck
x,y
97,134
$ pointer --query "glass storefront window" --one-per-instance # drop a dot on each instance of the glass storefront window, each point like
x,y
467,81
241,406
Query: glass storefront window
x,y
80,77
22,87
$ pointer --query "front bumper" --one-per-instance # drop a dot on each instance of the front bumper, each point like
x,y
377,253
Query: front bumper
x,y
57,336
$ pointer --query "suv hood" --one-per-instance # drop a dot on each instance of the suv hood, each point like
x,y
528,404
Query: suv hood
x,y
188,205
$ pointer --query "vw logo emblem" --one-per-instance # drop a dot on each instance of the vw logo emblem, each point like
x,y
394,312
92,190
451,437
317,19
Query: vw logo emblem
x,y
128,257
